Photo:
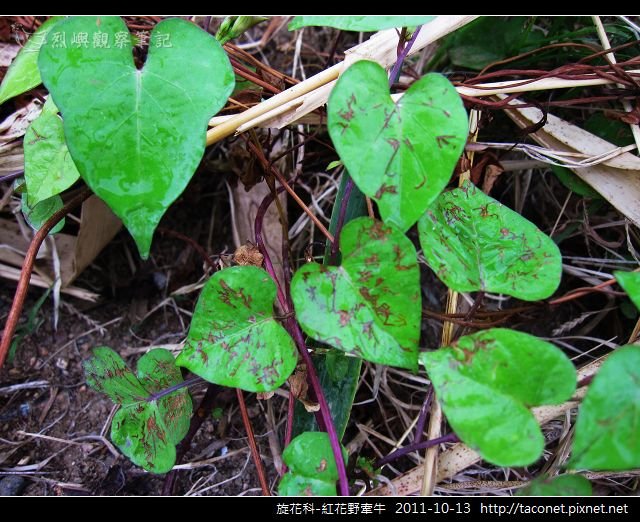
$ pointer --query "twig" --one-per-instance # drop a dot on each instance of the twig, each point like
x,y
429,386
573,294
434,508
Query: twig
x,y
255,453
27,268
416,446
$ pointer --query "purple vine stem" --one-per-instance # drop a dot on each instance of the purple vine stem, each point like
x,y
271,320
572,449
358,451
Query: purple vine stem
x,y
294,330
175,387
341,216
450,437
422,418
395,72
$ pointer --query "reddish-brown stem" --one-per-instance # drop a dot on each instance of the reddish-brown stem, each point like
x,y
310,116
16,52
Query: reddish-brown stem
x,y
245,73
252,444
27,269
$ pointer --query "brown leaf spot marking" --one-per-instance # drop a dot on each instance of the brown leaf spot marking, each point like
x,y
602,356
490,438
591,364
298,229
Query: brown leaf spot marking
x,y
378,231
507,234
408,143
385,189
372,260
398,259
453,213
227,294
271,373
154,429
364,276
484,211
323,466
395,144
307,492
345,317
444,140
367,329
245,358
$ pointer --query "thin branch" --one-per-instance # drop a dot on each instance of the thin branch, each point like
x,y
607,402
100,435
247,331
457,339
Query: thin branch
x,y
27,269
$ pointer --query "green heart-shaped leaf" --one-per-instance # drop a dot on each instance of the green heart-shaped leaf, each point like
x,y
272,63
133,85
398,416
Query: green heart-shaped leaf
x,y
145,429
23,74
48,166
630,282
312,466
234,340
359,22
487,381
472,242
607,430
135,136
400,154
370,305
562,485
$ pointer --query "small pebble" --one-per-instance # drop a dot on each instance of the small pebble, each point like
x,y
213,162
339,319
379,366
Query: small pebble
x,y
12,486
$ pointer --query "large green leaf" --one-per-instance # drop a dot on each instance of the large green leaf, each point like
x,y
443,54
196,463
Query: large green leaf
x,y
136,136
473,242
48,166
23,74
487,381
234,340
607,432
562,485
630,282
400,154
370,305
312,466
359,22
145,429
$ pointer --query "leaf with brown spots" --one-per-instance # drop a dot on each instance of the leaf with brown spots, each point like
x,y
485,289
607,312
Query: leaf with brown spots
x,y
312,467
486,383
472,242
400,154
370,305
234,340
145,430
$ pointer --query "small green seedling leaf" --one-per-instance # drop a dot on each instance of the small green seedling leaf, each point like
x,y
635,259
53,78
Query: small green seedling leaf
x,y
359,22
574,183
48,166
234,339
145,429
561,486
312,467
234,26
400,154
370,305
136,136
472,242
606,433
630,282
23,74
486,383
37,215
